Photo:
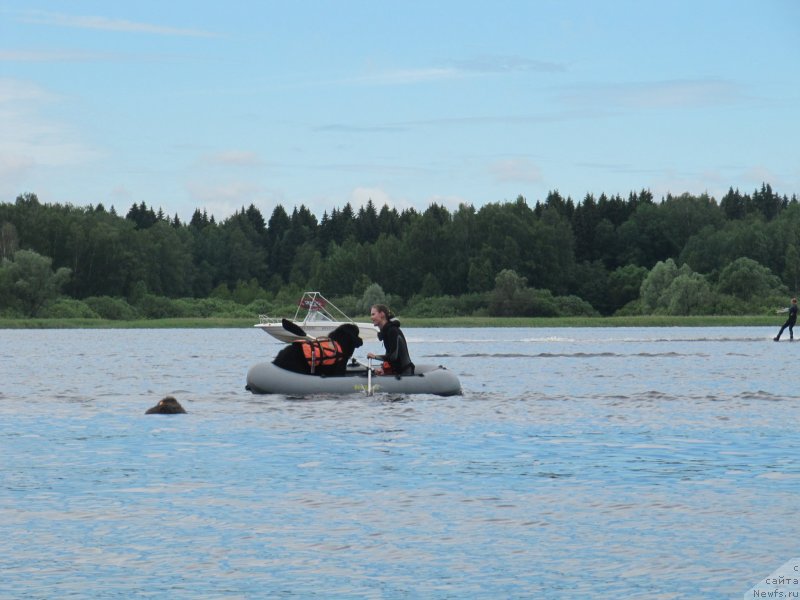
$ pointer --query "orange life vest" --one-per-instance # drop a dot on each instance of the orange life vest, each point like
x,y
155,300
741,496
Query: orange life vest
x,y
322,352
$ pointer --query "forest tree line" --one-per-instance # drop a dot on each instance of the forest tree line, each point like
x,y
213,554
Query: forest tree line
x,y
601,256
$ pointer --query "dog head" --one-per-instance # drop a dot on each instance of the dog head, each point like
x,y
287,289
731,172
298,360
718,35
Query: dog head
x,y
167,406
348,336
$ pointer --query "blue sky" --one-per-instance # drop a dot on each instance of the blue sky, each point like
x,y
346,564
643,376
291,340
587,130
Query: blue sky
x,y
217,105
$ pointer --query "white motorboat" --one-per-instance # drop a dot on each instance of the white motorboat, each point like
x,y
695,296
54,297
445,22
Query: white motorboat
x,y
317,317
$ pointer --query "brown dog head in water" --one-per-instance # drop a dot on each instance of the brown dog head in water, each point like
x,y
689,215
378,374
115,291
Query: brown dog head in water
x,y
167,406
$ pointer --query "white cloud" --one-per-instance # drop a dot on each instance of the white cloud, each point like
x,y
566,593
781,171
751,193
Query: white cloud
x,y
235,158
13,172
677,183
30,141
654,94
451,203
106,24
213,186
717,182
121,196
759,174
508,64
37,56
474,67
361,195
224,199
516,170
406,76
15,90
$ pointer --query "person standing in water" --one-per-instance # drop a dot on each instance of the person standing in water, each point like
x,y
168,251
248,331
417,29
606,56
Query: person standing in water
x,y
792,310
396,361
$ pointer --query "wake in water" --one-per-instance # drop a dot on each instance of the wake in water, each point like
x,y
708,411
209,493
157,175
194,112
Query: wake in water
x,y
555,339
565,355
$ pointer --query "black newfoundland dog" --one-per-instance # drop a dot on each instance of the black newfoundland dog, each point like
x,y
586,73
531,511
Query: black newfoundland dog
x,y
321,356
167,406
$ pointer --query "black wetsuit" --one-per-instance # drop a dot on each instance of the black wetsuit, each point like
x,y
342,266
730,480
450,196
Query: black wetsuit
x,y
789,323
396,349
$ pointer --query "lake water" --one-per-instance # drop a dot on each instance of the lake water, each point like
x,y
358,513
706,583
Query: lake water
x,y
579,463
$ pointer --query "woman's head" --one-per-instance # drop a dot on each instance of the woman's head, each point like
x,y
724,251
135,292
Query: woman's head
x,y
380,314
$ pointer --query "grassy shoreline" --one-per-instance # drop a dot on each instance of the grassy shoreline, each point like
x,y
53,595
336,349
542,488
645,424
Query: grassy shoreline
x,y
410,322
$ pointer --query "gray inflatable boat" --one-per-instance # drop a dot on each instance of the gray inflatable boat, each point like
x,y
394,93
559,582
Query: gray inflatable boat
x,y
267,378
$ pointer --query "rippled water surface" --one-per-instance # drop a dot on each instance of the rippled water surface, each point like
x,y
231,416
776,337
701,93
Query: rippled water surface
x,y
602,463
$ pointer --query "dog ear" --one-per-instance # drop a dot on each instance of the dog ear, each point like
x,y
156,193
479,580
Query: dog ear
x,y
354,332
351,332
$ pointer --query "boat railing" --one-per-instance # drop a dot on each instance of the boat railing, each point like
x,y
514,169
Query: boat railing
x,y
267,320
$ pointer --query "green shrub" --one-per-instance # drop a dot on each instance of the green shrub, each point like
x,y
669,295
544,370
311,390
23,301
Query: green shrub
x,y
633,308
438,306
159,307
262,306
115,309
572,306
730,305
246,292
221,292
10,307
67,308
204,307
240,312
537,303
348,305
471,304
523,302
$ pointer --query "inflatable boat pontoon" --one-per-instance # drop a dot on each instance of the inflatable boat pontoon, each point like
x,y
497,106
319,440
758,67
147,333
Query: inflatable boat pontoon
x,y
267,378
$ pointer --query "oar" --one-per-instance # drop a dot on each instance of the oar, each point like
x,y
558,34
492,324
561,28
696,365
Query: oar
x,y
369,377
295,329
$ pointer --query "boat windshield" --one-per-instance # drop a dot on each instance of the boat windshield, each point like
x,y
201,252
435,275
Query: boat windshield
x,y
315,315
319,309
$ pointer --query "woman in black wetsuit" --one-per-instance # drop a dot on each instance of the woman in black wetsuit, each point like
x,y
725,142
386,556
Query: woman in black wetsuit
x,y
396,361
792,310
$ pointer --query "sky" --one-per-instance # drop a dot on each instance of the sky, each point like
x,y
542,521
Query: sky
x,y
187,105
